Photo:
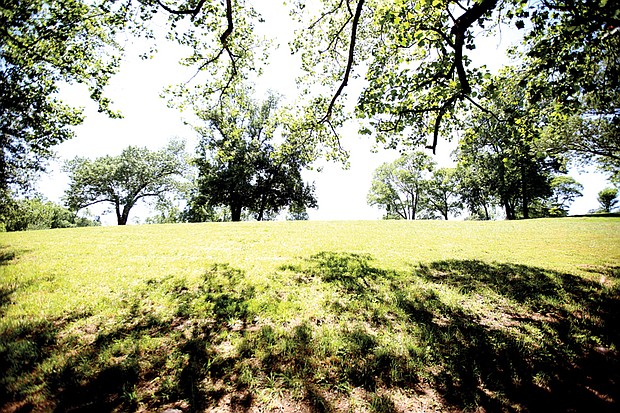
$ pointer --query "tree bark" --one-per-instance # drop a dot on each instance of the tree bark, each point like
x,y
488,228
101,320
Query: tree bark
x,y
235,213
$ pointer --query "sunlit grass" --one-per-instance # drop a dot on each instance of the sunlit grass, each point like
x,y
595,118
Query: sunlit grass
x,y
329,316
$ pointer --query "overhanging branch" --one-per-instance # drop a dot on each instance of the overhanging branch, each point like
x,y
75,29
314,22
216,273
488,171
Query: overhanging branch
x,y
350,60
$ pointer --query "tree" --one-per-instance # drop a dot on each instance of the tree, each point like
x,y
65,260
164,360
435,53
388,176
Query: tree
x,y
44,43
417,51
586,140
500,142
564,191
399,186
241,167
123,180
416,55
474,188
442,194
608,199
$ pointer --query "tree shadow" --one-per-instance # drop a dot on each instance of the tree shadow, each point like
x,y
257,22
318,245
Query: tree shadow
x,y
557,355
75,363
488,336
540,340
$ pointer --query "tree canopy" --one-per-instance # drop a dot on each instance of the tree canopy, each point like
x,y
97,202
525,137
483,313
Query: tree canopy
x,y
240,164
125,179
44,43
607,198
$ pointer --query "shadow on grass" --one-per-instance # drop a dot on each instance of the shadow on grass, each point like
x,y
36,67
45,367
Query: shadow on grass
x,y
498,337
550,344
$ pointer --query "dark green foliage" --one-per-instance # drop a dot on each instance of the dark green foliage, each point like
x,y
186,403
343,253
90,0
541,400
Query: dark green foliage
x,y
498,156
240,165
608,198
44,43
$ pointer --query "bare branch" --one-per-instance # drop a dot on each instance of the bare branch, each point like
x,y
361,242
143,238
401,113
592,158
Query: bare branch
x,y
324,15
225,48
336,36
483,109
229,29
440,114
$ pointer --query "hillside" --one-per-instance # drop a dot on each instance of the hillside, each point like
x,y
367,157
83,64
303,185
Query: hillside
x,y
385,316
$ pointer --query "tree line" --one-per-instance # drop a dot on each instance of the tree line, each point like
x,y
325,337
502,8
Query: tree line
x,y
412,187
247,165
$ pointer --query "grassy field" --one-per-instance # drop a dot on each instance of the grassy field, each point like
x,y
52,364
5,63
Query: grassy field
x,y
380,316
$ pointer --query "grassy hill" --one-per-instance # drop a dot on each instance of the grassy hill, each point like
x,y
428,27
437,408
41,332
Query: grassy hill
x,y
383,316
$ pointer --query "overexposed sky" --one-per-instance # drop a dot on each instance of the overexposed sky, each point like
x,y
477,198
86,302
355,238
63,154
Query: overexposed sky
x,y
147,121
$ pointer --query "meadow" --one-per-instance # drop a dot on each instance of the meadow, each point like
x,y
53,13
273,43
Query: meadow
x,y
385,316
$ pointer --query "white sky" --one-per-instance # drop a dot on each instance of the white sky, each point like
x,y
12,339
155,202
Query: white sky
x,y
149,122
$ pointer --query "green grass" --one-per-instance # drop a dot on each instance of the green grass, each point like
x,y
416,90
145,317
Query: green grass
x,y
313,316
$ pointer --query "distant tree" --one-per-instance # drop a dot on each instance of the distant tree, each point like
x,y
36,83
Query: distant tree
x,y
564,191
586,139
399,186
297,213
442,193
242,167
123,180
39,213
475,190
608,199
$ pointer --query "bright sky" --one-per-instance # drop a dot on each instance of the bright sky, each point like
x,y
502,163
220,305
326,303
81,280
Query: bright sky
x,y
149,122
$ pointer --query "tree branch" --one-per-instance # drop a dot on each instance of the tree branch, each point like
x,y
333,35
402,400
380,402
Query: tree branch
x,y
461,25
193,11
347,73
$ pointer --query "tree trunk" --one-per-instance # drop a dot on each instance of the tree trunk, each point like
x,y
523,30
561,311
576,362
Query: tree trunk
x,y
235,213
121,218
509,210
525,200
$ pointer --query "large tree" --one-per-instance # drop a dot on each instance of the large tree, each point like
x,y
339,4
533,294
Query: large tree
x,y
42,44
123,180
399,186
241,165
500,141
